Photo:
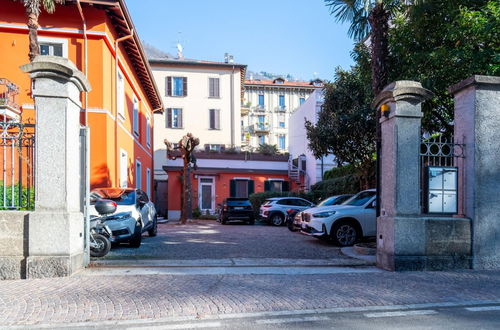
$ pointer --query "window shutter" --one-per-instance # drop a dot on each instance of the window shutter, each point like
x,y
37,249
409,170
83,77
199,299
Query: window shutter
x,y
169,117
168,85
211,91
181,124
217,119
267,185
251,187
285,186
232,188
184,86
211,115
216,87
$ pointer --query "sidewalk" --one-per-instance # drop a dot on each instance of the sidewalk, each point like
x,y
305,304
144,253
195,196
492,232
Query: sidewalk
x,y
84,298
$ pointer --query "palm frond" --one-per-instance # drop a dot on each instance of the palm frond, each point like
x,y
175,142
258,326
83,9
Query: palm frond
x,y
353,11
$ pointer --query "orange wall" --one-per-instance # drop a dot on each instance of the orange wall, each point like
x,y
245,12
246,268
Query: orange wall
x,y
221,186
107,135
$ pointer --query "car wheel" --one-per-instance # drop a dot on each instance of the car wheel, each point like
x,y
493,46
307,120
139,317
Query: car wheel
x,y
344,233
135,240
277,219
223,221
290,226
251,221
154,229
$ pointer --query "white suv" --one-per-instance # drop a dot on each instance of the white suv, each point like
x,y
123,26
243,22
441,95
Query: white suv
x,y
343,224
274,209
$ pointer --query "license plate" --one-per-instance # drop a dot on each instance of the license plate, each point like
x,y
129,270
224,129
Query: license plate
x,y
239,208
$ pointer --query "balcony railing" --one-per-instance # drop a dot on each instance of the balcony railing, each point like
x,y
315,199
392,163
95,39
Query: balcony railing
x,y
261,128
259,108
281,108
245,109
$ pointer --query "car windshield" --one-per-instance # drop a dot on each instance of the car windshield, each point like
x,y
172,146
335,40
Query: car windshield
x,y
237,201
360,199
327,202
120,196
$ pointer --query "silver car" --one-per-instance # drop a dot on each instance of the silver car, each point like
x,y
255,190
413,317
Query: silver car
x,y
274,209
135,214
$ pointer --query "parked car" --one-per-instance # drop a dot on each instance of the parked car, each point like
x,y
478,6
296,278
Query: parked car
x,y
236,209
274,209
135,214
343,224
297,222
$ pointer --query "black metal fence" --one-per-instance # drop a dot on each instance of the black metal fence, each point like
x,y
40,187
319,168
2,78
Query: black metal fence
x,y
17,161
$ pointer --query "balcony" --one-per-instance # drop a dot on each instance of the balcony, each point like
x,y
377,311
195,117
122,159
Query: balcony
x,y
259,108
261,128
245,109
281,108
8,106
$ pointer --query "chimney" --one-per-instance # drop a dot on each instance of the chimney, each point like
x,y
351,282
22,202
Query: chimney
x,y
226,57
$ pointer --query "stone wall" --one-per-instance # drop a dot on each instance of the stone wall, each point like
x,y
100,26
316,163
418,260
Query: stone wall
x,y
13,244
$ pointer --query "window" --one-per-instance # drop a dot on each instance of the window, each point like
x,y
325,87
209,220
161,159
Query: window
x,y
213,87
148,131
138,174
135,117
277,185
261,101
53,46
214,147
120,94
176,86
262,139
282,142
282,101
261,122
214,116
241,188
281,121
123,169
282,124
148,182
174,118
302,100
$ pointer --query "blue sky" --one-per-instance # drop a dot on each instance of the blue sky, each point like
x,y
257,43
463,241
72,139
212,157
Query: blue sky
x,y
279,36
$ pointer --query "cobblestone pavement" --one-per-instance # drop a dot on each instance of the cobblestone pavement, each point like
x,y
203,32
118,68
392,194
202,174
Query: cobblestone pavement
x,y
211,240
87,298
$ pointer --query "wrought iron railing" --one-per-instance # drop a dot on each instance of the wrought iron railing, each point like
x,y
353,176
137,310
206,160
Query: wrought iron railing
x,y
17,159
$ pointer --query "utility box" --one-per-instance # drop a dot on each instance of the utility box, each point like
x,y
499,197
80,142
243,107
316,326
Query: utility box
x,y
441,189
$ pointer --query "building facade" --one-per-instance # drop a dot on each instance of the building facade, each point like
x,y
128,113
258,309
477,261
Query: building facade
x,y
266,110
99,38
308,170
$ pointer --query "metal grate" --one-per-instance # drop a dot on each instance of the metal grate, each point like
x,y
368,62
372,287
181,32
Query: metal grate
x,y
17,142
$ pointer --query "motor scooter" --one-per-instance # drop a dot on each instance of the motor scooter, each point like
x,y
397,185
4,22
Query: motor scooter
x,y
290,216
100,234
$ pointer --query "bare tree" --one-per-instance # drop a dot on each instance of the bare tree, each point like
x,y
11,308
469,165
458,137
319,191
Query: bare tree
x,y
186,146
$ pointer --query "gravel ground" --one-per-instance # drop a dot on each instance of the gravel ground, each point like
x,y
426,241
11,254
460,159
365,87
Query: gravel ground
x,y
207,239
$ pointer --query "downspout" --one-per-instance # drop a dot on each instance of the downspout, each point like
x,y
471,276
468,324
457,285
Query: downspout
x,y
85,59
232,108
117,41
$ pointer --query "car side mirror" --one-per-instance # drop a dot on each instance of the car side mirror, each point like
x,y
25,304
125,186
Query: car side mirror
x,y
373,204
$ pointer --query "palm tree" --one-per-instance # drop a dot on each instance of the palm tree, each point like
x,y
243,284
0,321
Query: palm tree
x,y
33,9
369,18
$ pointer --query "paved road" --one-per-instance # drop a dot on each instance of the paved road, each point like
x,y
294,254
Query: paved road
x,y
85,298
211,240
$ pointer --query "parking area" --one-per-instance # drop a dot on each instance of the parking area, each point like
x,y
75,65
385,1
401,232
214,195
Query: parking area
x,y
208,239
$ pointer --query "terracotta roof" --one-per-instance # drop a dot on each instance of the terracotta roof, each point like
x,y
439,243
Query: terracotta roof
x,y
284,83
121,20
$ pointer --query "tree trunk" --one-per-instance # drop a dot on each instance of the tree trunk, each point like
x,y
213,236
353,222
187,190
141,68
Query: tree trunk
x,y
379,23
33,34
185,192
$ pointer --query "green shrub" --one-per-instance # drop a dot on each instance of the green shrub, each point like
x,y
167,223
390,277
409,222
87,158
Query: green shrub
x,y
337,172
27,200
196,213
348,184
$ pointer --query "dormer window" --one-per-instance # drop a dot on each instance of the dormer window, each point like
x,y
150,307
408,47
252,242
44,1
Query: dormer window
x,y
317,83
278,81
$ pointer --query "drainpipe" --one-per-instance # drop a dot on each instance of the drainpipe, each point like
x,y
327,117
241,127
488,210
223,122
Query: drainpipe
x,y
232,108
117,41
85,58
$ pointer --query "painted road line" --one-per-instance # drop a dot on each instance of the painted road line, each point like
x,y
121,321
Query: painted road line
x,y
200,325
483,309
293,320
401,313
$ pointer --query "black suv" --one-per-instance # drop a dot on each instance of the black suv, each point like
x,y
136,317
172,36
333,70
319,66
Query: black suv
x,y
236,209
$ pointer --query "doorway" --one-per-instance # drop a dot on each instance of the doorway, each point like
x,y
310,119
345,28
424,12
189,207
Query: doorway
x,y
206,194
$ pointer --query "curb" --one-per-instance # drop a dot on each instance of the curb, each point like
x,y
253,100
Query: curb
x,y
350,252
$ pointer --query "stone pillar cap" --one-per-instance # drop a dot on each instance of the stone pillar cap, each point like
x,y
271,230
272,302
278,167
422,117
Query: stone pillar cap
x,y
57,66
408,90
474,80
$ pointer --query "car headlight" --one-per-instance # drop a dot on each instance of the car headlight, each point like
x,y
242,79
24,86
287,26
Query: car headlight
x,y
325,214
122,216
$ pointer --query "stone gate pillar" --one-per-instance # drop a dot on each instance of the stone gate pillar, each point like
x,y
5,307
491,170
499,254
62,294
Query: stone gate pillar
x,y
397,226
477,124
56,226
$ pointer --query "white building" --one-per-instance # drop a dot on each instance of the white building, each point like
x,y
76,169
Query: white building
x,y
298,148
267,107
202,98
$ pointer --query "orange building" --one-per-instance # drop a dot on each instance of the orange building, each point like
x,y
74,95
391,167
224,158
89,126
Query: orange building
x,y
100,39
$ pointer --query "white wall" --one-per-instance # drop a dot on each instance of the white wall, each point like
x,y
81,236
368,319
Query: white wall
x,y
298,137
196,105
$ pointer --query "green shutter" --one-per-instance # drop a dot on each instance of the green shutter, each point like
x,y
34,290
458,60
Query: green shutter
x,y
267,185
285,186
232,188
251,187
